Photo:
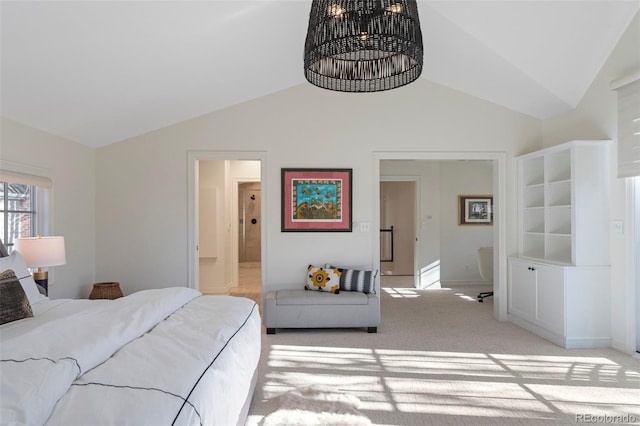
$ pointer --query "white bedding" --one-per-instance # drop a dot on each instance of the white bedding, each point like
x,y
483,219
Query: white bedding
x,y
156,357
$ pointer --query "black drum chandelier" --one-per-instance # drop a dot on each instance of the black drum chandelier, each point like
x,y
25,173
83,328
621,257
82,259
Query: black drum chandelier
x,y
363,45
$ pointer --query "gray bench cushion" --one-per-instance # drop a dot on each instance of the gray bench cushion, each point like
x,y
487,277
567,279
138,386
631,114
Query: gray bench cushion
x,y
306,297
313,309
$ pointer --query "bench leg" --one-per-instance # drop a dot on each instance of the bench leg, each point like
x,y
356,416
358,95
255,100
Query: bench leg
x,y
372,330
271,331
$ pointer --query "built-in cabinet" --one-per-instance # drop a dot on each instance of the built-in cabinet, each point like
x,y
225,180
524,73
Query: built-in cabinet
x,y
564,194
559,282
567,305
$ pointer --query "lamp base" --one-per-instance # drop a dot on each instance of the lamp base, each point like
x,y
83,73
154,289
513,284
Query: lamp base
x,y
42,279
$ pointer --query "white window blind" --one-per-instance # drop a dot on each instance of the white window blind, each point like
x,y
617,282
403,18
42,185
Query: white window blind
x,y
23,179
629,127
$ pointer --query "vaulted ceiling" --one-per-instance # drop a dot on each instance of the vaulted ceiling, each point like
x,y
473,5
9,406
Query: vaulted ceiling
x,y
98,72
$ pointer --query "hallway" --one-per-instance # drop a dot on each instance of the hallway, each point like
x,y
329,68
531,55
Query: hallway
x,y
249,282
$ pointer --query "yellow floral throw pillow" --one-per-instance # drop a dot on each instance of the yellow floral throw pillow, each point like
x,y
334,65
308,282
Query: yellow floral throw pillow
x,y
323,279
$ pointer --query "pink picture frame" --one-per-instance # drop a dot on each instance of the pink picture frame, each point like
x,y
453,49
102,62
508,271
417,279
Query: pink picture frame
x,y
316,200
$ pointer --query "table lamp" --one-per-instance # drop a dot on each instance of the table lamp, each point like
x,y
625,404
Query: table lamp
x,y
41,252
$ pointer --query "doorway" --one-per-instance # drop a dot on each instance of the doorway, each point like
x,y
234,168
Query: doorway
x,y
249,220
237,167
397,227
429,217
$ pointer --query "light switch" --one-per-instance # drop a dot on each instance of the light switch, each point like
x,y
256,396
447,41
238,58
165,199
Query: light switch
x,y
618,227
364,226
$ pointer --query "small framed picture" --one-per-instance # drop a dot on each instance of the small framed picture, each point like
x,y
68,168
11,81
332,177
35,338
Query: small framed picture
x,y
316,200
475,210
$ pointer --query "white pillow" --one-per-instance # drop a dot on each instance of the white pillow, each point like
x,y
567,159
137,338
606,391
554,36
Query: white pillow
x,y
15,262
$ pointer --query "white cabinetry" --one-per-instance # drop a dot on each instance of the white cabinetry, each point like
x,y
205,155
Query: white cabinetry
x,y
567,305
564,194
559,282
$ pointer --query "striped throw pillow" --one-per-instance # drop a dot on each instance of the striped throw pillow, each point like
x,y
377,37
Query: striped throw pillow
x,y
357,280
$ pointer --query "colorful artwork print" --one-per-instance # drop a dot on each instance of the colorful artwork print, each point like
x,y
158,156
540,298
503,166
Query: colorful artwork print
x,y
316,200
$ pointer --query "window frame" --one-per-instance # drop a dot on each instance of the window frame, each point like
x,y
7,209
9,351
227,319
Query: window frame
x,y
6,210
628,138
41,197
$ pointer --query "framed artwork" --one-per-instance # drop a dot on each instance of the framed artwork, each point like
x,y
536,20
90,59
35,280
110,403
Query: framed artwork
x,y
316,200
475,210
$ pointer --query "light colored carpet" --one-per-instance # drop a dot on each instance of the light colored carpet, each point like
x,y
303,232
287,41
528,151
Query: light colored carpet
x,y
439,358
316,405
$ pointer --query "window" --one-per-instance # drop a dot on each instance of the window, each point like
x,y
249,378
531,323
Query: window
x,y
628,125
23,206
19,211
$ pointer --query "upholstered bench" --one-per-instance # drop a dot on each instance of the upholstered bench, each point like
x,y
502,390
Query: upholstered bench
x,y
315,309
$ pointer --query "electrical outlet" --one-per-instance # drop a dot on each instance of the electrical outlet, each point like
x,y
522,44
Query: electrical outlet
x,y
364,226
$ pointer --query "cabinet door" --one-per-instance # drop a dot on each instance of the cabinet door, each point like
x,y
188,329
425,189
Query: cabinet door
x,y
550,297
522,279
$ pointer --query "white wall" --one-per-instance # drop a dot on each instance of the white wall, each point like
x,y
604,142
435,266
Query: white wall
x,y
459,244
300,127
596,118
213,276
71,167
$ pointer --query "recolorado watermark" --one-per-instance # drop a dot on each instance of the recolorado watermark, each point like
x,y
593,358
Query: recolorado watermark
x,y
607,418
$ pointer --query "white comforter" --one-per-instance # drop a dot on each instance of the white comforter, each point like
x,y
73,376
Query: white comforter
x,y
156,357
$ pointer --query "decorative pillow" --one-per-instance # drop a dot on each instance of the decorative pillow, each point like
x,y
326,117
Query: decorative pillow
x,y
357,280
14,304
323,279
15,262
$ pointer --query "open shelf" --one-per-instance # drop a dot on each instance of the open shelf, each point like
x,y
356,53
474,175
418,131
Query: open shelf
x,y
534,196
559,193
558,248
563,210
533,246
558,166
533,172
534,220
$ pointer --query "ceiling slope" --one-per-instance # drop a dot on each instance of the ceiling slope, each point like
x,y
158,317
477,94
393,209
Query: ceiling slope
x,y
98,72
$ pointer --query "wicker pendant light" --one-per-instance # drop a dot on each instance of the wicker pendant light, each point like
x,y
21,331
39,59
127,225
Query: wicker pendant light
x,y
363,45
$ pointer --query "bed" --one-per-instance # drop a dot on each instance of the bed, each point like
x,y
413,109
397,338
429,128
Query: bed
x,y
155,357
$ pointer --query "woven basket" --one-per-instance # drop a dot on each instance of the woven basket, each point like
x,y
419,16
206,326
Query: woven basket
x,y
110,290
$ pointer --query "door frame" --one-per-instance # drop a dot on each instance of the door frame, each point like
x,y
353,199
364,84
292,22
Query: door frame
x,y
632,252
417,201
500,207
193,157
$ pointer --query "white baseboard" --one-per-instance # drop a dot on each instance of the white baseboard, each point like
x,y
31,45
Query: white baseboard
x,y
567,343
459,283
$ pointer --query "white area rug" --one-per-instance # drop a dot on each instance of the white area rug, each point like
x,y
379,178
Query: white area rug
x,y
317,405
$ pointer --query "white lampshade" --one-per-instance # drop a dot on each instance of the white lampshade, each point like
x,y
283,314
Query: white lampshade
x,y
40,252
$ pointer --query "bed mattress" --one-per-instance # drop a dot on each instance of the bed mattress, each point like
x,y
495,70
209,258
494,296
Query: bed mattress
x,y
168,356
